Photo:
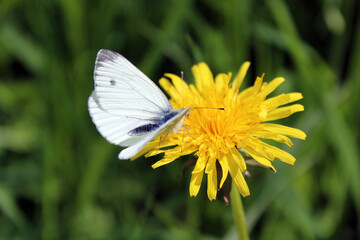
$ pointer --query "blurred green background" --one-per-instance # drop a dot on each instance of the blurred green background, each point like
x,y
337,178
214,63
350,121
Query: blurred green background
x,y
59,179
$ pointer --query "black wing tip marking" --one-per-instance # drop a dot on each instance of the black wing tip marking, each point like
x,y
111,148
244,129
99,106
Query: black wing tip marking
x,y
105,55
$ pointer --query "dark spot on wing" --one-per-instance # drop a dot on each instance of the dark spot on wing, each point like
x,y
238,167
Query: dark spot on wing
x,y
112,82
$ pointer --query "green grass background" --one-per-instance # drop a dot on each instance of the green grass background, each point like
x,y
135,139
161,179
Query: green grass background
x,y
59,179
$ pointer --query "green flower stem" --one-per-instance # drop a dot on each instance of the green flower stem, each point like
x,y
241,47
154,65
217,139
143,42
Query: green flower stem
x,y
238,212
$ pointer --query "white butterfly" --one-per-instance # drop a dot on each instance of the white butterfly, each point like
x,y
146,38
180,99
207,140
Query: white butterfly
x,y
127,108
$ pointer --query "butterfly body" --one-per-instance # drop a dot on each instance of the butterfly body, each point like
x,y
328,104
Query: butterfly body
x,y
127,108
144,129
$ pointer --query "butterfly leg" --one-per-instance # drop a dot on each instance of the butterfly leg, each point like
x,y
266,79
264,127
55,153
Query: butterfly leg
x,y
161,141
187,127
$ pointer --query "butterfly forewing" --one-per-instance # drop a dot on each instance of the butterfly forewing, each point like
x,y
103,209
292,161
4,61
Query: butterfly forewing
x,y
121,88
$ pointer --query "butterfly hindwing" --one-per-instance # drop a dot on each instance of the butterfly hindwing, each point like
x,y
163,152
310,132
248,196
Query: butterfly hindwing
x,y
114,127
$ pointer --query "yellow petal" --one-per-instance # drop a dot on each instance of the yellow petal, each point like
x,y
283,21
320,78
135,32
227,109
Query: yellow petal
x,y
212,178
203,76
147,148
238,159
210,165
272,86
284,130
237,176
220,80
257,85
259,148
166,85
179,83
240,76
274,136
284,112
253,162
225,170
281,154
258,157
164,161
170,156
182,88
282,99
195,183
200,163
176,97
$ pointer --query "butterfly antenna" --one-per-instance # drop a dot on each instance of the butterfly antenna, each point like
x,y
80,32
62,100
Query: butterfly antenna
x,y
182,141
182,86
216,108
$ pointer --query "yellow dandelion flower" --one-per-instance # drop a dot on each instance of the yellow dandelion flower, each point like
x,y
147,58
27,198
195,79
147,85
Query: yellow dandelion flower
x,y
220,138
